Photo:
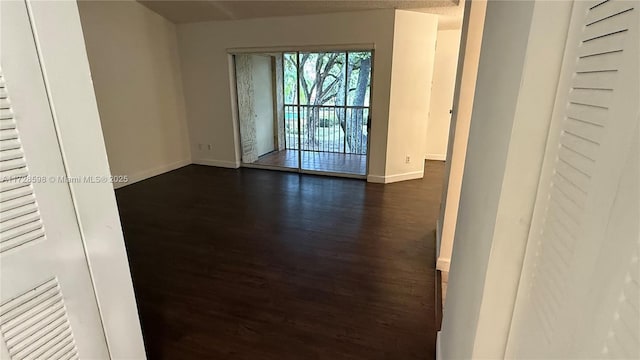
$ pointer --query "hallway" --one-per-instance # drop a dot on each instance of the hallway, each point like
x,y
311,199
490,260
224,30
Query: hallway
x,y
257,264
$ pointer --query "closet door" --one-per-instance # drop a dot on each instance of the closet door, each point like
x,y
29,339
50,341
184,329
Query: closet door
x,y
48,307
579,292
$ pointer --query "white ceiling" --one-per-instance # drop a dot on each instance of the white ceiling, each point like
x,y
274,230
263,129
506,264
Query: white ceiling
x,y
183,11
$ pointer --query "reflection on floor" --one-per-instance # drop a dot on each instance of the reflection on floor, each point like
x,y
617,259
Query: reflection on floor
x,y
318,161
263,265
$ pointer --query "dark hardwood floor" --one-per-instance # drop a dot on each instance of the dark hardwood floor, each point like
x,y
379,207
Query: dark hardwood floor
x,y
257,264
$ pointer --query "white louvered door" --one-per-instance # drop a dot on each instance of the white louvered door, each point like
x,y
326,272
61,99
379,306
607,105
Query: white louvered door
x,y
579,292
48,308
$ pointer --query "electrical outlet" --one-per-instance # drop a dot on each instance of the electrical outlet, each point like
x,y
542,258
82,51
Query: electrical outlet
x,y
200,147
407,160
209,147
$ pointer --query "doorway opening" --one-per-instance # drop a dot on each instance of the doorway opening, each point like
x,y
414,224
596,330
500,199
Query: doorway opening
x,y
305,111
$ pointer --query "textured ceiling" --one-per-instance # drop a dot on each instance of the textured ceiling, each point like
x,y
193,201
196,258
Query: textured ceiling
x,y
183,11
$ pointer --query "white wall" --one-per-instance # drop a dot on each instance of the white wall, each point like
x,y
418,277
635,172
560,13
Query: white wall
x,y
143,109
444,79
523,44
136,74
414,43
471,39
206,71
263,93
399,109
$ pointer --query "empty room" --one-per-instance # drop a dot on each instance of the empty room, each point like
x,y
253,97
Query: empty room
x,y
306,179
260,173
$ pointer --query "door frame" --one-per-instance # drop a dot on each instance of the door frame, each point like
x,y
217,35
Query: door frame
x,y
231,52
500,249
67,78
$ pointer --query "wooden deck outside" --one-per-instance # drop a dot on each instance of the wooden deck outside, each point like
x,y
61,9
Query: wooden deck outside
x,y
317,161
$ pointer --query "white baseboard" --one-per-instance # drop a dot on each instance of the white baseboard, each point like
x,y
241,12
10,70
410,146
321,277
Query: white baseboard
x,y
443,264
145,174
438,346
406,176
378,179
437,157
395,178
218,163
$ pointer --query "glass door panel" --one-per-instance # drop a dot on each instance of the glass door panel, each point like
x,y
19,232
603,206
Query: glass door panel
x,y
333,110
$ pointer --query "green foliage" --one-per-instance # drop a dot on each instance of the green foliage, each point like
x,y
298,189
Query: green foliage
x,y
290,78
322,77
322,82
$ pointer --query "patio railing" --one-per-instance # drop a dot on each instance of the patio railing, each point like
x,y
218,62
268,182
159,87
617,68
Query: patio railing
x,y
327,128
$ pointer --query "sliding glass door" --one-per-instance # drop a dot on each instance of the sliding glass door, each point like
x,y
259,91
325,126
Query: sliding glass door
x,y
327,106
320,113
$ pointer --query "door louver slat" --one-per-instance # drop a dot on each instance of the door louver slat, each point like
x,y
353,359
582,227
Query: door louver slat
x,y
590,97
580,161
583,130
11,154
9,144
34,324
18,212
605,10
8,134
601,46
599,80
20,221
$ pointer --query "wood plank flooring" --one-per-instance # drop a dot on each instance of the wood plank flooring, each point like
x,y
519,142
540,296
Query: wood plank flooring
x,y
257,264
318,161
